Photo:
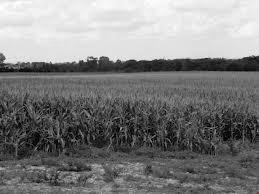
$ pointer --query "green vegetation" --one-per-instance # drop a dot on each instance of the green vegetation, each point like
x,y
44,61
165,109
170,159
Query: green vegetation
x,y
159,172
2,58
110,173
104,64
208,113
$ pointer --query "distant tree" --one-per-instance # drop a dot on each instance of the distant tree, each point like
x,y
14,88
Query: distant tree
x,y
131,66
235,65
144,65
92,63
2,59
118,65
104,64
251,63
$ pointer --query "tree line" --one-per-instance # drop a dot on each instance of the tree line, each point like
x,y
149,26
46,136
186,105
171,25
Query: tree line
x,y
104,64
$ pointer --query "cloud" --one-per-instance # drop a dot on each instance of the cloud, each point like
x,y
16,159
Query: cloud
x,y
115,15
14,15
15,21
246,30
79,21
205,5
168,18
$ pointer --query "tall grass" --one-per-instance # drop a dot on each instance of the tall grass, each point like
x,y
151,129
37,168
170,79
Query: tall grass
x,y
186,111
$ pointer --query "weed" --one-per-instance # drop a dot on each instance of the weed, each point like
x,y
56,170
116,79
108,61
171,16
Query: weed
x,y
54,178
234,172
131,178
75,165
50,162
158,172
247,160
190,169
82,180
110,173
2,177
35,177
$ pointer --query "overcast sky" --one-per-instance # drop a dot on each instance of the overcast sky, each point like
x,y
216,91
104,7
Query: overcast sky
x,y
69,30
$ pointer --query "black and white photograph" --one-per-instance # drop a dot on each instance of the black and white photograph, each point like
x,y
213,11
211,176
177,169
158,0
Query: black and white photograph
x,y
129,96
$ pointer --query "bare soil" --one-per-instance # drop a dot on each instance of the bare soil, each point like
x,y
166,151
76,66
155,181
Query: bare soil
x,y
139,172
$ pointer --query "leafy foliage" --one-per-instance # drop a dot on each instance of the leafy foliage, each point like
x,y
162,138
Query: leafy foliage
x,y
55,124
103,64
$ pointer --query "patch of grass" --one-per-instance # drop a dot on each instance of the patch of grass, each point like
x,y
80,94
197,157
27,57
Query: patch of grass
x,y
110,173
147,152
2,177
183,178
80,151
247,160
131,178
54,178
36,177
158,172
171,188
148,170
75,165
203,178
50,162
6,157
183,155
209,171
234,172
32,162
69,164
189,169
100,153
82,180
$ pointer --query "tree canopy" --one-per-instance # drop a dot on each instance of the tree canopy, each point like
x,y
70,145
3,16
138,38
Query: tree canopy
x,y
104,64
2,58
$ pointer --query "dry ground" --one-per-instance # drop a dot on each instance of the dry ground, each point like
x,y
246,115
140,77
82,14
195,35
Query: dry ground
x,y
142,171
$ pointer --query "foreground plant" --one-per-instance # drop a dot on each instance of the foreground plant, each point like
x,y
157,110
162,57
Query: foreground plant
x,y
57,124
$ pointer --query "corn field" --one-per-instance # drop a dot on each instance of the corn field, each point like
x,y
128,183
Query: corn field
x,y
168,111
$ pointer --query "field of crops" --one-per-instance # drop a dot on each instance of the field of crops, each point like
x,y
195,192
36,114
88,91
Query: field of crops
x,y
201,112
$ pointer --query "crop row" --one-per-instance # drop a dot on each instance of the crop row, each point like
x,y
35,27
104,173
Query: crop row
x,y
54,125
